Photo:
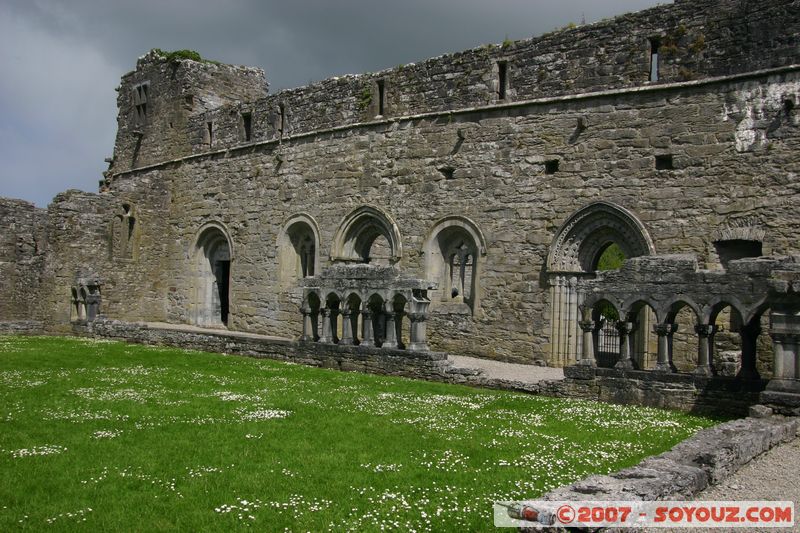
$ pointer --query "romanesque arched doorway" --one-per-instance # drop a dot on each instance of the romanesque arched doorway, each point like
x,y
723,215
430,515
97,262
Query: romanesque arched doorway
x,y
212,258
574,254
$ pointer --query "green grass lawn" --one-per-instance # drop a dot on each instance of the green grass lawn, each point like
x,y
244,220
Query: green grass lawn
x,y
107,436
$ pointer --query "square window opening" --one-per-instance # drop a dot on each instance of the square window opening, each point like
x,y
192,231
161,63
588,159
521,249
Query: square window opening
x,y
664,162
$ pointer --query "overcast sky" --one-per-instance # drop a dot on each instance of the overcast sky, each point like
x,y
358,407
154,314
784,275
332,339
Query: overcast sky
x,y
61,60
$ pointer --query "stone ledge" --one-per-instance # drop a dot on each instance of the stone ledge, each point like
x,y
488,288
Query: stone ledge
x,y
21,327
705,459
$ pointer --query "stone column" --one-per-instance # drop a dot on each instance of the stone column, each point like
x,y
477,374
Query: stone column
x,y
587,353
418,332
308,331
625,362
398,328
705,333
347,328
92,307
367,338
781,347
335,325
786,366
418,316
391,334
664,331
785,333
326,336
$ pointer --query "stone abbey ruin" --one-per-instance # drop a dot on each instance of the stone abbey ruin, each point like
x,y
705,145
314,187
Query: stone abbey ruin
x,y
464,204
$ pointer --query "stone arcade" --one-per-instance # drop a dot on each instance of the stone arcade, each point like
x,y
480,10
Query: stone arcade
x,y
461,204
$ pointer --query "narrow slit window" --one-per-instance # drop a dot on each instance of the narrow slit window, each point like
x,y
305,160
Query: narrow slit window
x,y
140,97
282,122
210,128
381,96
654,44
502,79
247,122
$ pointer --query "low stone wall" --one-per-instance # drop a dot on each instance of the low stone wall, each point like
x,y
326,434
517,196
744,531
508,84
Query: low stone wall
x,y
424,365
21,327
718,395
705,459
684,392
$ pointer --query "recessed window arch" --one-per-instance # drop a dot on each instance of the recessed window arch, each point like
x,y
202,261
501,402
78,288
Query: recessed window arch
x,y
367,235
213,254
454,252
298,249
123,232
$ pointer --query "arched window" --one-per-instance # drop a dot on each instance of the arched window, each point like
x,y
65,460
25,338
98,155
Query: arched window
x,y
598,236
213,255
367,235
298,249
452,251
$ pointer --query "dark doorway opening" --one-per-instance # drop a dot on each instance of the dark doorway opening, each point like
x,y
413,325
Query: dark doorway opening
x,y
222,273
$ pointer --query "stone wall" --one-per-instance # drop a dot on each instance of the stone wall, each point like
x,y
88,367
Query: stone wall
x,y
159,100
23,246
697,39
488,165
692,156
683,392
427,365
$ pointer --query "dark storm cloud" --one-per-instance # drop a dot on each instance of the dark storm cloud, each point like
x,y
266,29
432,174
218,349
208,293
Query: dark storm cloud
x,y
62,60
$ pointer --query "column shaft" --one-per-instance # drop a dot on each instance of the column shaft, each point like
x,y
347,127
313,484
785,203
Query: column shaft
x,y
391,336
367,338
326,336
347,329
587,351
625,362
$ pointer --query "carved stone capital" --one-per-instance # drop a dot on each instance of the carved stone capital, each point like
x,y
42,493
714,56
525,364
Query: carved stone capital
x,y
587,325
417,317
624,328
662,330
705,330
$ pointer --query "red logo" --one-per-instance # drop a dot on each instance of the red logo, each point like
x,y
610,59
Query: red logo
x,y
565,514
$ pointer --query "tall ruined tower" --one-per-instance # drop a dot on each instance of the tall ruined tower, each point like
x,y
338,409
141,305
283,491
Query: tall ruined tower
x,y
162,106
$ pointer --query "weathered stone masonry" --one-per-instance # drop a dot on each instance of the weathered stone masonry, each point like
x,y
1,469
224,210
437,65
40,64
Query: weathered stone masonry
x,y
494,177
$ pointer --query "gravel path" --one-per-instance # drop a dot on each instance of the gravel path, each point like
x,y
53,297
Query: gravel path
x,y
771,476
507,371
